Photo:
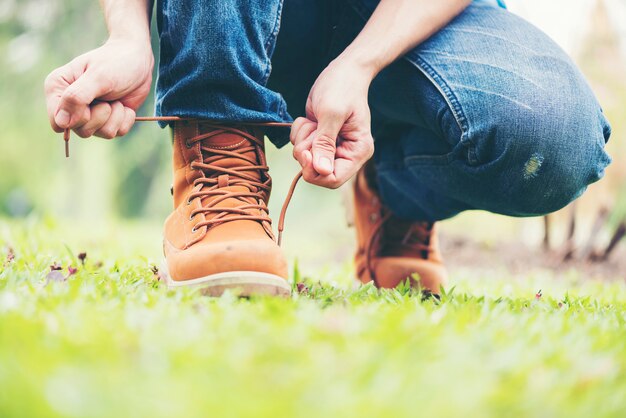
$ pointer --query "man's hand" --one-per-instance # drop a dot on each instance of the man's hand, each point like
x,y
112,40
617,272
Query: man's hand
x,y
98,93
334,140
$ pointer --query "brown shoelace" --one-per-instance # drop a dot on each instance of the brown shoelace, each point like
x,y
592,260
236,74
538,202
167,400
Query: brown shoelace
x,y
255,190
210,186
241,177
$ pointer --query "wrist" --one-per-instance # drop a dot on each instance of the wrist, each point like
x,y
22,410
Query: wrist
x,y
139,45
362,62
137,36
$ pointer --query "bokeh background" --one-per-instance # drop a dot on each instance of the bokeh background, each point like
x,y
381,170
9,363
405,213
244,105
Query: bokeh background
x,y
120,188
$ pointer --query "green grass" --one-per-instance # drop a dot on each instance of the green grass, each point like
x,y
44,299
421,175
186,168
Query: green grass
x,y
111,341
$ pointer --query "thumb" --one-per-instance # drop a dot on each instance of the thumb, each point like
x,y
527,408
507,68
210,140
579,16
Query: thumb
x,y
77,97
325,144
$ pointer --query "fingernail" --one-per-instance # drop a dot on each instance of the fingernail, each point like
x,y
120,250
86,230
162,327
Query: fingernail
x,y
325,164
62,118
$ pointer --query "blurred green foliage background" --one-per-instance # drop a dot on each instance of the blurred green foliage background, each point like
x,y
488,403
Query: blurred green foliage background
x,y
100,179
130,177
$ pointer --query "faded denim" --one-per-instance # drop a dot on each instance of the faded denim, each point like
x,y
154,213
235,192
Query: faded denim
x,y
489,113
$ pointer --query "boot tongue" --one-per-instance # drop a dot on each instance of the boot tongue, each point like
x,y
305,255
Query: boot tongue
x,y
224,140
234,143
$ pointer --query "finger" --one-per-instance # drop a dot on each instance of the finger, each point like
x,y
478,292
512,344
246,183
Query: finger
x,y
308,172
313,177
99,114
129,121
304,132
357,150
303,142
302,138
54,85
344,170
77,97
295,128
114,123
349,159
325,143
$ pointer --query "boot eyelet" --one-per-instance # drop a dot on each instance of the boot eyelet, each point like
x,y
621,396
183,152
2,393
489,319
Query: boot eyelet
x,y
192,216
194,229
188,202
188,145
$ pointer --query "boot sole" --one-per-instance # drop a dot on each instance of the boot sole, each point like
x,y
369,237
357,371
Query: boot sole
x,y
241,283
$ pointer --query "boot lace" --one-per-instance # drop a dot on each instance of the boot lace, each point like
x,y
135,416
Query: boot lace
x,y
253,207
256,193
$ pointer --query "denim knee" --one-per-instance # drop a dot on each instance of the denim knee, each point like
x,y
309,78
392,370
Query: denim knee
x,y
544,160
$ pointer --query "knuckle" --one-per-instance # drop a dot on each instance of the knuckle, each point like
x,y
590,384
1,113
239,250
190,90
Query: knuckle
x,y
102,110
83,119
117,106
301,146
107,133
83,133
48,82
324,143
297,140
131,114
52,78
300,121
72,97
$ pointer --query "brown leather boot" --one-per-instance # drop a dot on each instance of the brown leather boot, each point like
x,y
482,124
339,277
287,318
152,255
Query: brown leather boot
x,y
390,250
219,236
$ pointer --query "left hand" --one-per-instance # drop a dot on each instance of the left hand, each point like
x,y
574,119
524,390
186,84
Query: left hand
x,y
334,140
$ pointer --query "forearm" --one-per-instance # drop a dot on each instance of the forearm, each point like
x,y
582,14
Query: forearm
x,y
128,19
397,26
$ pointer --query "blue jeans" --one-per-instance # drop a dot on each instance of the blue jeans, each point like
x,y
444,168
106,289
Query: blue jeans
x,y
488,113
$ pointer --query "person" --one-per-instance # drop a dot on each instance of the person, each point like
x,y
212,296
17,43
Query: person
x,y
471,108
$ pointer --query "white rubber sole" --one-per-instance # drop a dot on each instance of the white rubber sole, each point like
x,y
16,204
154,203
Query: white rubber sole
x,y
240,283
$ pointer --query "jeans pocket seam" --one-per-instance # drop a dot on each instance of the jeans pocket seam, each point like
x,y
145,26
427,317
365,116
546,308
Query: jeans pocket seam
x,y
453,103
271,42
443,159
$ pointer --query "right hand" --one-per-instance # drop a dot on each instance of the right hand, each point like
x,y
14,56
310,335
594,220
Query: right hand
x,y
98,92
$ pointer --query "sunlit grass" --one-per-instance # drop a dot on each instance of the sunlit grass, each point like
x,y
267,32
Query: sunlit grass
x,y
111,341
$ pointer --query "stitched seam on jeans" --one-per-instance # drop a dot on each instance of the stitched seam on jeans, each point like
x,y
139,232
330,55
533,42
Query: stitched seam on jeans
x,y
440,84
435,160
271,41
162,77
442,159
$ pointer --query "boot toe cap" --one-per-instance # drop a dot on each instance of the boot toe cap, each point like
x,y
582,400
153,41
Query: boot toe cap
x,y
205,259
391,271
